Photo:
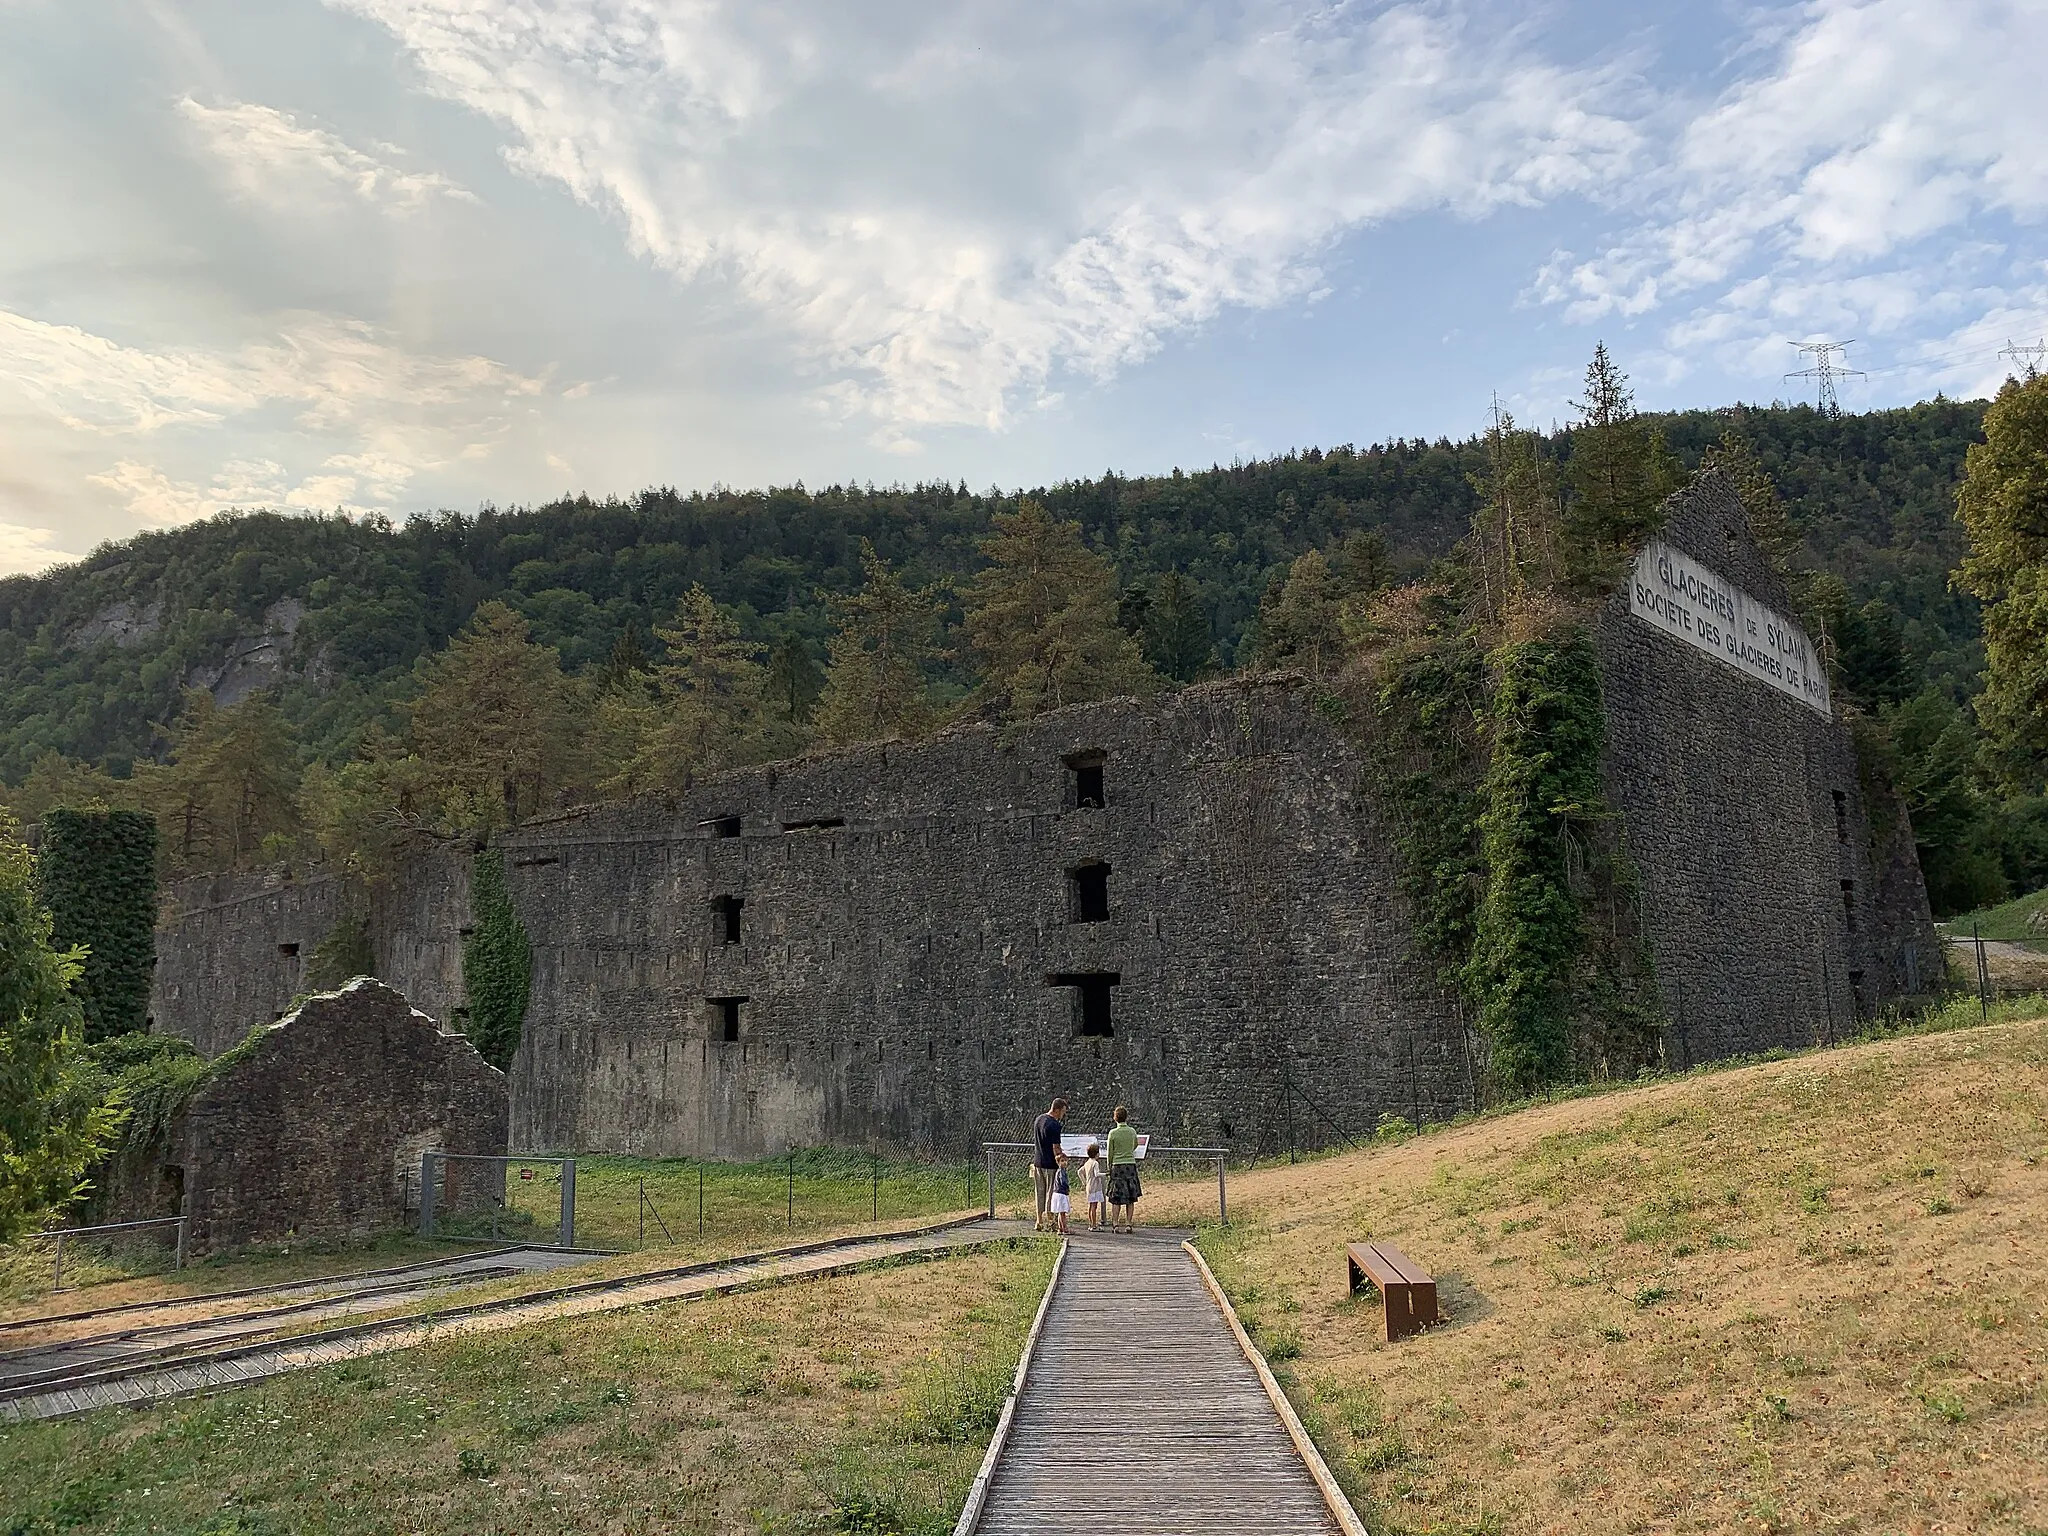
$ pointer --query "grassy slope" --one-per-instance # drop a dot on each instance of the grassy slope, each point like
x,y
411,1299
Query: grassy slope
x,y
1811,1294
859,1402
2008,921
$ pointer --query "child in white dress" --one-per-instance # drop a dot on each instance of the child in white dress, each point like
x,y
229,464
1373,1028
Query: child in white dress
x,y
1096,1178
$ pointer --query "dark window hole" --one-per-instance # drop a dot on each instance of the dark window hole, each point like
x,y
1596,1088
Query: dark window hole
x,y
722,826
536,863
1849,903
1088,893
289,951
1841,817
1091,1000
816,823
725,1016
727,909
1084,776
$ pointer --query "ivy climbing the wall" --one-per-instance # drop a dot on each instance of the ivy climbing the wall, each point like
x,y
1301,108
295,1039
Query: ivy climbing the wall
x,y
1542,792
96,873
497,963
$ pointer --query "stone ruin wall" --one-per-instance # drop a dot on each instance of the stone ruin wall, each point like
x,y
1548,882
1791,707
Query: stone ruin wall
x,y
1780,908
317,1133
908,913
903,909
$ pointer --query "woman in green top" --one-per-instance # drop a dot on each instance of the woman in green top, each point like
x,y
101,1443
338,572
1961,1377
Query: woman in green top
x,y
1124,1188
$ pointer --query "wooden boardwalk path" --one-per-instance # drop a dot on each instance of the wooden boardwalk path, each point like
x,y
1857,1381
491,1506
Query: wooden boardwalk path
x,y
1140,1413
108,1384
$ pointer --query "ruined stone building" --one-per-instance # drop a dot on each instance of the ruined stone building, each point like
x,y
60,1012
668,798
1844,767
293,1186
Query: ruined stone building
x,y
1188,904
315,1129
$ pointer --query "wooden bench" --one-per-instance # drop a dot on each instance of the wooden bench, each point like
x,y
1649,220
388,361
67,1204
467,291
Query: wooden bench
x,y
1407,1291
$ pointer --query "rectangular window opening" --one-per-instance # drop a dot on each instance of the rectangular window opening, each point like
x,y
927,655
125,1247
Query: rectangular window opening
x,y
726,911
537,863
289,951
816,823
1849,903
1088,892
1084,780
722,826
1841,817
725,1017
1091,1001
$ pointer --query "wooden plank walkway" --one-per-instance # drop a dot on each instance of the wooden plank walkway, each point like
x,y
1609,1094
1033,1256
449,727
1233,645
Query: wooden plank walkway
x,y
238,1365
1140,1414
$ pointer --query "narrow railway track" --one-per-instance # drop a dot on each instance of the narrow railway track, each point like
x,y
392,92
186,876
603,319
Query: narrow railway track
x,y
80,1384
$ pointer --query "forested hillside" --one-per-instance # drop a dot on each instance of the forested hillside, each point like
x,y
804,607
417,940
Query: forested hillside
x,y
333,614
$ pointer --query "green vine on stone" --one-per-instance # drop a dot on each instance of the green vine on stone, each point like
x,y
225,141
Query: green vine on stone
x,y
96,873
497,963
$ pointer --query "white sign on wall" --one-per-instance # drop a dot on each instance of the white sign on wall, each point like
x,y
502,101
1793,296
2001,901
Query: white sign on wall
x,y
1675,593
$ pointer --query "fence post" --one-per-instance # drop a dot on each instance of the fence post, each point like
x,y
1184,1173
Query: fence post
x,y
643,1212
57,1280
700,1199
789,1216
568,1202
988,1156
178,1259
1222,1199
1983,975
427,1183
875,1170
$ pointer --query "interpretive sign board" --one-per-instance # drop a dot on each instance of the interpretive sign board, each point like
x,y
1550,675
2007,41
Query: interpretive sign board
x,y
1673,592
1076,1143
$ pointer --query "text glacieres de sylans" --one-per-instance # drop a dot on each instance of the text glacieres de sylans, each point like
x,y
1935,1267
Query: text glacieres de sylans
x,y
1675,593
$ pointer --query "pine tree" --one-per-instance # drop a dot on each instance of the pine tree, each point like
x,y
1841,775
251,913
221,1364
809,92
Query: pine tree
x,y
794,681
2004,504
1621,473
1518,530
713,690
1042,618
497,721
875,687
627,667
1176,631
228,795
1301,619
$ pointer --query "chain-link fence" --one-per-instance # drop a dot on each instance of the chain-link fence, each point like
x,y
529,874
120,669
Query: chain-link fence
x,y
1194,1176
629,1202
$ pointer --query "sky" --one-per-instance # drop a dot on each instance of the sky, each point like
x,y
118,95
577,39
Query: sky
x,y
395,256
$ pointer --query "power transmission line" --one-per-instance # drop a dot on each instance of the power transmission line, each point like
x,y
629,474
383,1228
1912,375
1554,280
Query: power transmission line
x,y
1825,371
2012,351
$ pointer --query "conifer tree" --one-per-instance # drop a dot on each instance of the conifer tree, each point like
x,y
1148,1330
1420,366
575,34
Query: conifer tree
x,y
1042,618
1301,619
627,667
794,681
1176,631
228,795
497,721
875,687
2004,504
1517,531
713,689
1620,474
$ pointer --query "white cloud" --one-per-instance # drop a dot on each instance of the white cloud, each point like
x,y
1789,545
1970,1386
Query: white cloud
x,y
948,206
367,413
271,157
26,550
1858,183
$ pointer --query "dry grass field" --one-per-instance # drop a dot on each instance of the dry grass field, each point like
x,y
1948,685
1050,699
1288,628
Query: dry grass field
x,y
1810,1295
858,1403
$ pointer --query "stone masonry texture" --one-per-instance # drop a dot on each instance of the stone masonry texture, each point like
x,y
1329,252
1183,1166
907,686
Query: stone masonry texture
x,y
317,1132
917,946
1777,914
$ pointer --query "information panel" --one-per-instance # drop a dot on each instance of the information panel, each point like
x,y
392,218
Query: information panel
x,y
1675,593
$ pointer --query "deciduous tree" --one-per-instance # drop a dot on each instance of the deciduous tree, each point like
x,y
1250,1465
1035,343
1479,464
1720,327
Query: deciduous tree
x,y
2004,504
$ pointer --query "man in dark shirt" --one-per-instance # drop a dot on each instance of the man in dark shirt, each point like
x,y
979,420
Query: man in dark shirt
x,y
1046,1131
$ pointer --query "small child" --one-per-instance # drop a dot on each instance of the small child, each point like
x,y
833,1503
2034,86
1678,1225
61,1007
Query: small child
x,y
1062,1202
1095,1176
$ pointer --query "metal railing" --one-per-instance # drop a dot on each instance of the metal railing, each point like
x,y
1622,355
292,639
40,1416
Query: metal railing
x,y
989,1149
60,1233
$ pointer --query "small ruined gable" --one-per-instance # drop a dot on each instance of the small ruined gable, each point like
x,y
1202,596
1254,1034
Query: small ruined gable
x,y
317,1128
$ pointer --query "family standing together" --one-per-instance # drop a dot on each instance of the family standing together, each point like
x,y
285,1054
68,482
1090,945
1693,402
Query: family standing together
x,y
1112,1183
